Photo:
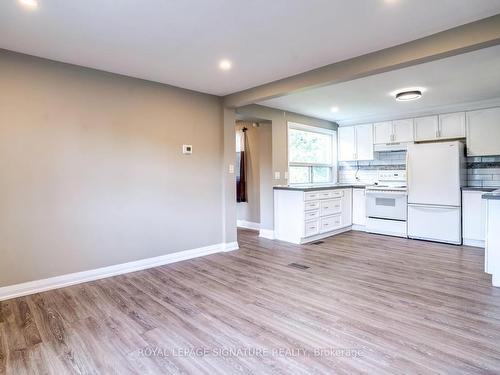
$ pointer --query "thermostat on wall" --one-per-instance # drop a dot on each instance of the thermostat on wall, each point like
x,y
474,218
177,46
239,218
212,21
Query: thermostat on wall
x,y
187,149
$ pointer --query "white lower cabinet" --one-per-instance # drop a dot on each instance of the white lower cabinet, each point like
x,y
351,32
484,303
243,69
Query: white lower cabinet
x,y
473,218
301,217
358,208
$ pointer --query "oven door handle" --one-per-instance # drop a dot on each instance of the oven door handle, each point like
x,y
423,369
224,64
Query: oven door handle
x,y
386,194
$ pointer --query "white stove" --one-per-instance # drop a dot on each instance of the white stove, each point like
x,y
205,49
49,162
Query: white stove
x,y
387,204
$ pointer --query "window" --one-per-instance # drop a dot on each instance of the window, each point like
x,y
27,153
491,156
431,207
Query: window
x,y
312,154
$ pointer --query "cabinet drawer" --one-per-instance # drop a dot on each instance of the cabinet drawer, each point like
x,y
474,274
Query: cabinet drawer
x,y
325,194
330,223
311,196
309,215
311,228
313,205
331,206
337,193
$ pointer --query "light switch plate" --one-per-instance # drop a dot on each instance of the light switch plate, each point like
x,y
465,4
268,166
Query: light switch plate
x,y
231,168
286,175
187,149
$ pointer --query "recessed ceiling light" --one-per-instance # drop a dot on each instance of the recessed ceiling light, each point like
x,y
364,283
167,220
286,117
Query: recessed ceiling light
x,y
334,109
29,4
225,64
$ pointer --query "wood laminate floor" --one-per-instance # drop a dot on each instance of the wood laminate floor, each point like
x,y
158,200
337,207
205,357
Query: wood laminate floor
x,y
366,304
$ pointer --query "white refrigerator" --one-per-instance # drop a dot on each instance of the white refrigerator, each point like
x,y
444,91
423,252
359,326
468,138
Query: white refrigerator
x,y
435,173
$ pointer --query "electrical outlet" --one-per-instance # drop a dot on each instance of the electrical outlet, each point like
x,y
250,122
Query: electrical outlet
x,y
277,175
231,168
286,175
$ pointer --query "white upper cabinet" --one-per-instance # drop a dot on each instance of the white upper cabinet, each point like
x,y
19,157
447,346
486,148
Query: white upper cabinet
x,y
483,132
426,128
364,142
347,143
452,125
402,130
382,132
447,126
355,142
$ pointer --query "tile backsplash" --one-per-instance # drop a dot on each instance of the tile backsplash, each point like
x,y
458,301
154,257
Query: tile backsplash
x,y
481,171
366,171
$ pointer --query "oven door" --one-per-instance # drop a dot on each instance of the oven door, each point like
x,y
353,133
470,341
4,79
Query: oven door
x,y
386,205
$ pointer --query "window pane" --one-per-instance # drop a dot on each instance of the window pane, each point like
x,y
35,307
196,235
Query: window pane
x,y
309,147
321,174
298,175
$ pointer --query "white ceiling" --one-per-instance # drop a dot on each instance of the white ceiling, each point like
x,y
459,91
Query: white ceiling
x,y
465,81
180,42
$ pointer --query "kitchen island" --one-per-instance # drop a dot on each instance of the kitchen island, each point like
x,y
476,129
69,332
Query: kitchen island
x,y
306,213
492,252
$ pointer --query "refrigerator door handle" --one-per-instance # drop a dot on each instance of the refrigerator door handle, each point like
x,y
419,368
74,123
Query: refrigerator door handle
x,y
433,206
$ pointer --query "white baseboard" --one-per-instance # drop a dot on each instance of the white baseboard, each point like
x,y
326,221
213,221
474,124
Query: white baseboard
x,y
474,243
37,286
230,246
324,235
361,228
266,233
247,224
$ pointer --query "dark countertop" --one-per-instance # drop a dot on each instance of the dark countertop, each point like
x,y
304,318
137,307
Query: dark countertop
x,y
318,187
493,195
475,188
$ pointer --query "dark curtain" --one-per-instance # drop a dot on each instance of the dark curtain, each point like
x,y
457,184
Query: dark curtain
x,y
241,181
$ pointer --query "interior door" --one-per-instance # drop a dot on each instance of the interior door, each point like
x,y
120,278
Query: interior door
x,y
382,132
364,142
426,128
347,143
403,130
433,173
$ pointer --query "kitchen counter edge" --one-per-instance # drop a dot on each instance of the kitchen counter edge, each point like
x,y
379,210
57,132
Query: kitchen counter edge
x,y
315,188
493,195
475,188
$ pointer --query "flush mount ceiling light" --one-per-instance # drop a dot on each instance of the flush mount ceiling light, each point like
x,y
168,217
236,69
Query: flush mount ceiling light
x,y
408,95
334,109
225,64
29,4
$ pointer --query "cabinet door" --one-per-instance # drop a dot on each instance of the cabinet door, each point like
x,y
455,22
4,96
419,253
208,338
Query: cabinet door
x,y
347,143
382,132
358,207
483,132
346,207
364,142
473,215
452,125
426,128
403,130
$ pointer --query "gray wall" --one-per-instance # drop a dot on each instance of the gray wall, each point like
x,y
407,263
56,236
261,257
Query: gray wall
x,y
92,172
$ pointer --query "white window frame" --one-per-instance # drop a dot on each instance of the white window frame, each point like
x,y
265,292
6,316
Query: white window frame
x,y
332,165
